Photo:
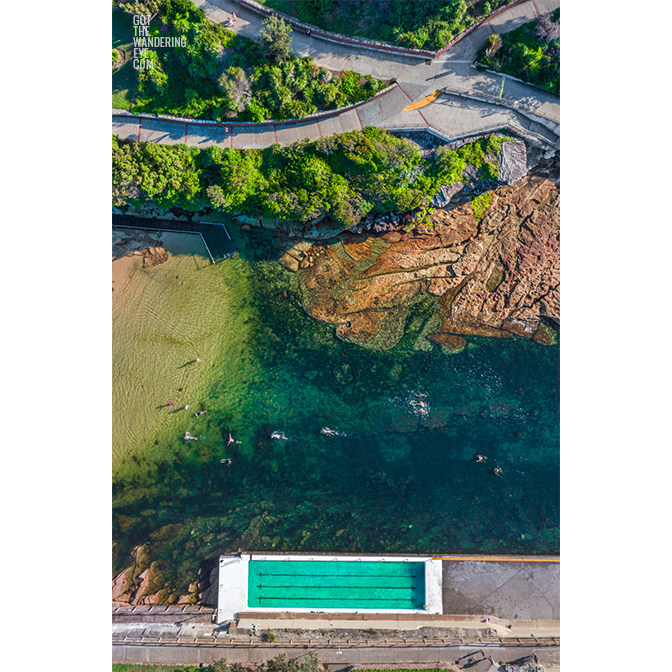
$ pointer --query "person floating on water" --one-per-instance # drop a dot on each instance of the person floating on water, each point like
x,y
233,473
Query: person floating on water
x,y
199,413
227,461
189,437
279,435
498,471
231,440
331,432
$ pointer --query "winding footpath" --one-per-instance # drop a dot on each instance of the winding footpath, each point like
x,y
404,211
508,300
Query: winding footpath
x,y
468,102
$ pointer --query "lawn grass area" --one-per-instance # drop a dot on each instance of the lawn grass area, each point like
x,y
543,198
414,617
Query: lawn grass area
x,y
123,78
284,6
122,28
531,52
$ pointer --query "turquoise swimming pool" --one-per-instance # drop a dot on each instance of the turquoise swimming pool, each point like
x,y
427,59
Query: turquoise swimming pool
x,y
336,584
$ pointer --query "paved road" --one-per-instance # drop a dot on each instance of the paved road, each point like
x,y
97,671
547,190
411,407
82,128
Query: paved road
x,y
427,652
468,104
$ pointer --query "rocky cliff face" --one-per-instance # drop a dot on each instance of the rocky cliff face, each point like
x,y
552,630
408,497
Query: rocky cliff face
x,y
494,276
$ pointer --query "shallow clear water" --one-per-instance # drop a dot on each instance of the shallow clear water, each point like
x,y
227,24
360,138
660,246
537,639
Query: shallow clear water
x,y
374,451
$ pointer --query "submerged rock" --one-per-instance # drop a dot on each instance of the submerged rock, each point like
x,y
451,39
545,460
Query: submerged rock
x,y
343,375
153,256
449,343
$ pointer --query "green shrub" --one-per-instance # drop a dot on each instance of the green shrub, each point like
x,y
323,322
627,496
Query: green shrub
x,y
220,75
270,636
481,203
422,24
256,112
531,52
347,176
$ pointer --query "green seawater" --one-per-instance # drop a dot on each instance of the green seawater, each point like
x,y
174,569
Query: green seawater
x,y
375,451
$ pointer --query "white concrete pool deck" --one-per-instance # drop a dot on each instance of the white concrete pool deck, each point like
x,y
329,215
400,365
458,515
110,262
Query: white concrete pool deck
x,y
519,629
234,574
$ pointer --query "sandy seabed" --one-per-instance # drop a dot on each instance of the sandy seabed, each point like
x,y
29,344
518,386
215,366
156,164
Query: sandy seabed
x,y
163,318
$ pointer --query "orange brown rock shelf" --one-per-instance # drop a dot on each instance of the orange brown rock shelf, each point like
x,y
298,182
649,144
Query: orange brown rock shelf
x,y
495,277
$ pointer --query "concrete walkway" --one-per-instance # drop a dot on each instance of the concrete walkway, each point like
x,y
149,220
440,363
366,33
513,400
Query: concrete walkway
x,y
468,104
525,593
198,646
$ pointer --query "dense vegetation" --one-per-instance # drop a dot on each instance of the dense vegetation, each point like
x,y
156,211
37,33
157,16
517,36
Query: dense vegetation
x,y
223,76
421,24
346,176
530,52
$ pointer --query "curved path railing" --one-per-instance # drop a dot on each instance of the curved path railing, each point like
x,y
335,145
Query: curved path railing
x,y
317,116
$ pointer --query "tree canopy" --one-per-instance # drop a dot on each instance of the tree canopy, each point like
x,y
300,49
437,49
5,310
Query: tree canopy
x,y
276,35
347,176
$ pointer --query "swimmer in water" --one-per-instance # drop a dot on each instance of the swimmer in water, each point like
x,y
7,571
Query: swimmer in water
x,y
189,437
481,458
230,441
498,471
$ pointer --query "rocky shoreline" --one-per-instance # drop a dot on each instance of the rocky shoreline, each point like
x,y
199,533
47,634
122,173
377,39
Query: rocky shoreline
x,y
142,584
493,272
496,276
